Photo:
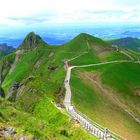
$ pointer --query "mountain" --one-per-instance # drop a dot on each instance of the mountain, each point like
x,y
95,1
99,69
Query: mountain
x,y
31,41
33,89
5,49
83,40
128,42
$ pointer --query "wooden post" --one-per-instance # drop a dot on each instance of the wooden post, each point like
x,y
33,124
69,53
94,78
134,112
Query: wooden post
x,y
100,134
97,132
94,131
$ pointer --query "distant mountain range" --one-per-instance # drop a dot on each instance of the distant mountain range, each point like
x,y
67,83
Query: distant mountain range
x,y
61,35
128,42
5,49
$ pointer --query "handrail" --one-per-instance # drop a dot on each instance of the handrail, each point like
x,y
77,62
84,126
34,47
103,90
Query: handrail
x,y
100,127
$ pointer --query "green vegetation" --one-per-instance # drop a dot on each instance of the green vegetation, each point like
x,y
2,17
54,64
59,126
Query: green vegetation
x,y
134,54
39,74
36,86
83,42
112,56
6,63
47,122
2,54
101,91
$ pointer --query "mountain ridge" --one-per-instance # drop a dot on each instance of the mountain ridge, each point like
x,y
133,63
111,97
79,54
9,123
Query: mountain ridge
x,y
35,88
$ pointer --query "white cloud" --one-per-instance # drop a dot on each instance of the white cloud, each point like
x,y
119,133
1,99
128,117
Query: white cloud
x,y
25,12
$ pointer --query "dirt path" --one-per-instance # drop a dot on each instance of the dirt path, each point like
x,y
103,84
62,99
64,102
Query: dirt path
x,y
93,128
67,100
112,97
17,57
128,55
89,125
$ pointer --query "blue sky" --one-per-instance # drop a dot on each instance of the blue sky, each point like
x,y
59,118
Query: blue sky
x,y
35,13
64,19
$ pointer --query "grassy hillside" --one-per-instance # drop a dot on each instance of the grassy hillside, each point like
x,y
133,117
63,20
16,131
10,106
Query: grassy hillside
x,y
2,54
35,88
134,54
80,43
39,75
104,92
97,51
47,122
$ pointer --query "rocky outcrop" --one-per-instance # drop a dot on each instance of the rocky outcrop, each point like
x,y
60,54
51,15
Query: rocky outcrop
x,y
14,64
11,134
5,64
17,88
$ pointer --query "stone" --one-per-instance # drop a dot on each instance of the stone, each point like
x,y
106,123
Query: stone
x,y
10,130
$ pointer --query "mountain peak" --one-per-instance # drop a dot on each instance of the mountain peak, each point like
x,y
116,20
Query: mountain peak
x,y
31,34
31,41
84,36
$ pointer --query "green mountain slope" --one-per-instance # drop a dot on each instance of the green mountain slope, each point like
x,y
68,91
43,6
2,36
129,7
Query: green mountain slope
x,y
96,50
33,85
128,42
104,92
80,43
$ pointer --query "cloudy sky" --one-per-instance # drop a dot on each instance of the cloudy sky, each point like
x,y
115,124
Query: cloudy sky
x,y
17,13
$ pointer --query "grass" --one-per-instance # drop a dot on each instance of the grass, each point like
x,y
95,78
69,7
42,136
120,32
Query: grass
x,y
2,54
47,126
34,101
134,54
112,56
35,112
121,81
87,58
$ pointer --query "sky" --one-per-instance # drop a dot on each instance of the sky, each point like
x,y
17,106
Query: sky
x,y
64,19
29,13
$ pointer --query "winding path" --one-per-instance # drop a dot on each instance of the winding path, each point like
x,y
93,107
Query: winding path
x,y
67,100
91,126
128,55
88,124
